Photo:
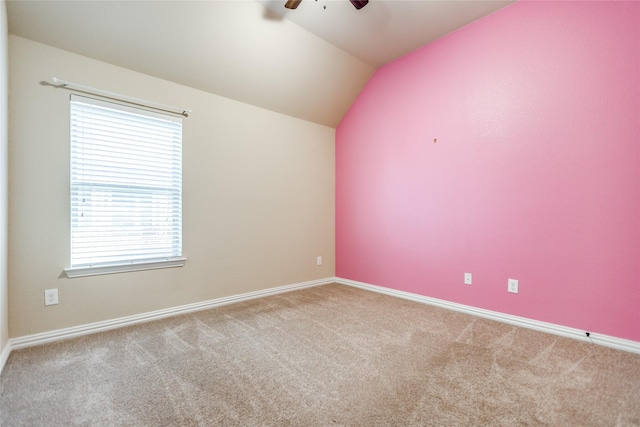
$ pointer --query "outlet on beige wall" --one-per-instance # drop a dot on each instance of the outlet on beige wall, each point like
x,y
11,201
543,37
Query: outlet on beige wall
x,y
258,197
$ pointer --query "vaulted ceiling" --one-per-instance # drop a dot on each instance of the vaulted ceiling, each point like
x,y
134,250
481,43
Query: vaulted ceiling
x,y
309,63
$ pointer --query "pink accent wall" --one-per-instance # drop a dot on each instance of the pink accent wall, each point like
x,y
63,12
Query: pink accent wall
x,y
535,174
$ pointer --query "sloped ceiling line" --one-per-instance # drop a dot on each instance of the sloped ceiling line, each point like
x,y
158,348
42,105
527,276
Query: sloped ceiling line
x,y
255,52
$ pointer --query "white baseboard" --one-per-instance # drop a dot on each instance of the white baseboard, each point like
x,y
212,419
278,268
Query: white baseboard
x,y
4,355
91,328
604,340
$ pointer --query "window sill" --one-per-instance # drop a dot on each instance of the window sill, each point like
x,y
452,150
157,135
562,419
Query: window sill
x,y
123,268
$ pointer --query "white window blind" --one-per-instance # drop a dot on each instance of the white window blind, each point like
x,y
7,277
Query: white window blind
x,y
126,186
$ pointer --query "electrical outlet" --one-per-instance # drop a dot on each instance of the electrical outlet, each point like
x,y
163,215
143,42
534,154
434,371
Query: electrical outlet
x,y
51,297
467,278
319,260
513,286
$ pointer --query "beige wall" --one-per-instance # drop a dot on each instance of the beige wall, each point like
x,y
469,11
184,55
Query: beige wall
x,y
258,197
4,327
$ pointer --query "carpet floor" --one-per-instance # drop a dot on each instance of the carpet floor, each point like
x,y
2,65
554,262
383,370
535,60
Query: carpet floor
x,y
322,356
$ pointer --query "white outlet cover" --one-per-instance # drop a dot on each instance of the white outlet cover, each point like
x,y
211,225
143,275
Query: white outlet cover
x,y
51,297
319,260
467,278
513,286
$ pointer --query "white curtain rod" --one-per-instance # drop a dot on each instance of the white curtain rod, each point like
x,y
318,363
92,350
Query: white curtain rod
x,y
118,97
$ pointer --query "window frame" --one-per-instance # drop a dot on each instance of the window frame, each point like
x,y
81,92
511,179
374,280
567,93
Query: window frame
x,y
128,265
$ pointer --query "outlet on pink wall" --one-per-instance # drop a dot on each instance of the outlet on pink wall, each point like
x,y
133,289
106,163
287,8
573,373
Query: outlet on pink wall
x,y
535,174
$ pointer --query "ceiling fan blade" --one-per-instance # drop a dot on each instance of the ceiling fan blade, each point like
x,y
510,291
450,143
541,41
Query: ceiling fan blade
x,y
292,4
359,4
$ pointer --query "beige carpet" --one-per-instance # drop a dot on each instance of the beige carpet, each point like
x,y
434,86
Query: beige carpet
x,y
330,355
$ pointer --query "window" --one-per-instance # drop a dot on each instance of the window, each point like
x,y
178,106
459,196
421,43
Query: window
x,y
126,188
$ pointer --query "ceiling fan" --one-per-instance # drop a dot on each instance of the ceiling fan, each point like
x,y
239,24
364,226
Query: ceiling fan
x,y
358,4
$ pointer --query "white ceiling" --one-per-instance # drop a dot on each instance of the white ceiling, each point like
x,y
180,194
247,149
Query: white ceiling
x,y
384,30
310,62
